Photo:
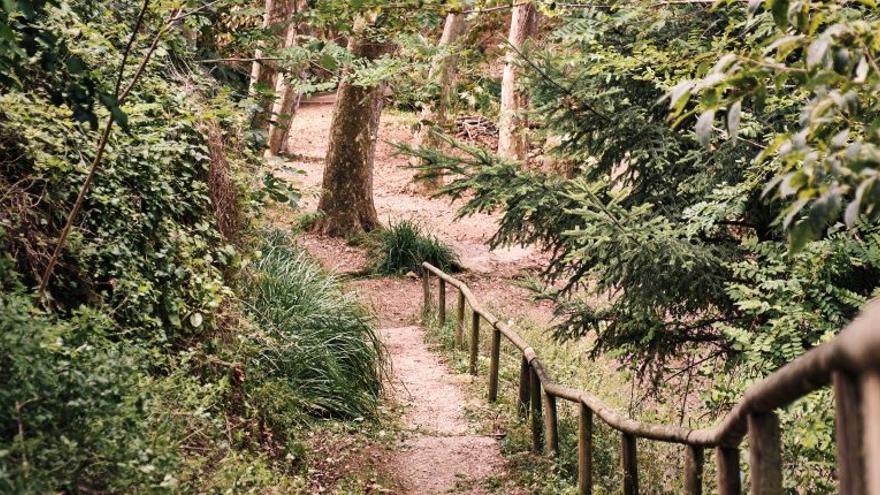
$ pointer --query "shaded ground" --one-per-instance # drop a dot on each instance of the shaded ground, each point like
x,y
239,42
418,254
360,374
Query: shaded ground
x,y
441,451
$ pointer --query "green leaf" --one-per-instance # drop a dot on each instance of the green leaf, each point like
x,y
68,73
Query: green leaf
x,y
733,118
704,127
328,61
799,236
816,51
779,8
195,320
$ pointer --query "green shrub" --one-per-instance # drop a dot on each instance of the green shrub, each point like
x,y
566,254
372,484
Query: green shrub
x,y
74,407
403,247
317,351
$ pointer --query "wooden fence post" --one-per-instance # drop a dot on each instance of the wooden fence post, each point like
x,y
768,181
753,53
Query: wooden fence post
x,y
495,356
475,340
630,464
765,462
535,401
727,463
693,470
524,377
551,425
458,336
426,290
585,450
441,302
848,427
871,415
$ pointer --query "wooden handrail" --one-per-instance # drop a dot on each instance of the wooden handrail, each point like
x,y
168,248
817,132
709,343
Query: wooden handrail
x,y
853,355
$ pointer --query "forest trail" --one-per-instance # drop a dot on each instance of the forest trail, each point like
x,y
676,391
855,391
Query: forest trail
x,y
442,451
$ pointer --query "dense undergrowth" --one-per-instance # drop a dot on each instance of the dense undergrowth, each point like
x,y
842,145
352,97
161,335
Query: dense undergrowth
x,y
175,351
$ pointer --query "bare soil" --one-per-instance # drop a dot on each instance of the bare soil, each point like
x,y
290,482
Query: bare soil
x,y
441,451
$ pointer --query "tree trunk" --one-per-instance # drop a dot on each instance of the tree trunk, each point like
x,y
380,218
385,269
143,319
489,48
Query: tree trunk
x,y
512,138
443,71
263,73
285,137
285,99
257,65
346,203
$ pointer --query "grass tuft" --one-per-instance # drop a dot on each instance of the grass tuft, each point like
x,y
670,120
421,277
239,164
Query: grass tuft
x,y
403,247
319,352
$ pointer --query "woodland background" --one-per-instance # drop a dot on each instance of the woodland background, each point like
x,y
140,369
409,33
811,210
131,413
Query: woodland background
x,y
703,177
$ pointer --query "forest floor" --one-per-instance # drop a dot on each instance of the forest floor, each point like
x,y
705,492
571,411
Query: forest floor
x,y
440,449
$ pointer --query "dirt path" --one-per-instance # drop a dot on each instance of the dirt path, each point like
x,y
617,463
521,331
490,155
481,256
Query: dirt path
x,y
441,451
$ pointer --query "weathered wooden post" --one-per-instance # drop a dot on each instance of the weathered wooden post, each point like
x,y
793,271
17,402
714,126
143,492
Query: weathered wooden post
x,y
585,450
441,302
495,356
458,336
630,464
727,463
535,400
765,462
426,292
848,424
524,377
871,413
475,340
693,470
551,425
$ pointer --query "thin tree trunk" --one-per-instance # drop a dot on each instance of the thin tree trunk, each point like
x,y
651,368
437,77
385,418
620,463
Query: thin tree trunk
x,y
285,132
346,203
443,70
283,106
278,12
257,66
512,137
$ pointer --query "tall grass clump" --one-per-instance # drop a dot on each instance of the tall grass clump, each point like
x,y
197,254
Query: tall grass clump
x,y
402,247
315,348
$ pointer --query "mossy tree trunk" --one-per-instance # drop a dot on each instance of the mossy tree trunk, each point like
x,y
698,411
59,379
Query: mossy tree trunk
x,y
443,72
512,127
346,204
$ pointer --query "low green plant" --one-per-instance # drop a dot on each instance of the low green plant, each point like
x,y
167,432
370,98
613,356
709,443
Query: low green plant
x,y
316,348
75,407
403,246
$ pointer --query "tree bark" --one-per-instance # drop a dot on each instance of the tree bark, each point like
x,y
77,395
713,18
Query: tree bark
x,y
346,203
286,100
263,74
257,65
512,139
443,71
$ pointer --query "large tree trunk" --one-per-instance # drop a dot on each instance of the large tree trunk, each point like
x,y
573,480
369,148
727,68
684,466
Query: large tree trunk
x,y
286,100
346,204
512,137
443,71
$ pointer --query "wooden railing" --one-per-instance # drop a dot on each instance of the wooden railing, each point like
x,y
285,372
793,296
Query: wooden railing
x,y
850,363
